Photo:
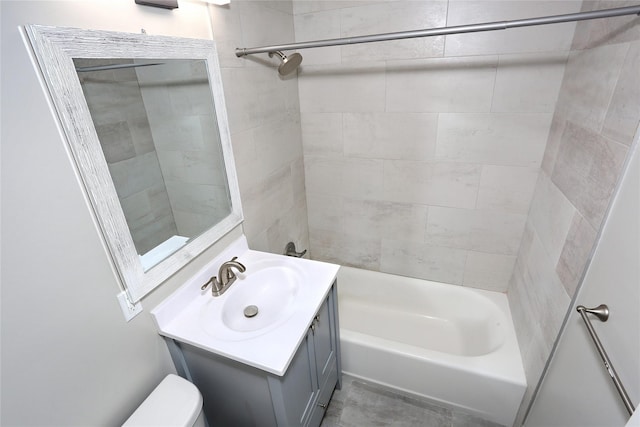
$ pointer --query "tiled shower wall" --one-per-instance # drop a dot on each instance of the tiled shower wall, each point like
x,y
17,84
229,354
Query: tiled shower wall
x,y
185,134
422,156
128,147
593,127
264,117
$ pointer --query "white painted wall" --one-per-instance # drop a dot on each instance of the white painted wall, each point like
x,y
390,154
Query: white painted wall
x,y
577,391
68,356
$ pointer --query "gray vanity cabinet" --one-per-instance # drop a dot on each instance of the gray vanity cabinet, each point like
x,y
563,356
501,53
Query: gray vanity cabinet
x,y
236,394
326,360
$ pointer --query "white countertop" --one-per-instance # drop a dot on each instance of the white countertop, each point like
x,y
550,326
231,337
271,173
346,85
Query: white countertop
x,y
193,316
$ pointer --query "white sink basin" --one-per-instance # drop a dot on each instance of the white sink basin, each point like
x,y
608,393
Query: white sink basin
x,y
270,286
266,294
287,293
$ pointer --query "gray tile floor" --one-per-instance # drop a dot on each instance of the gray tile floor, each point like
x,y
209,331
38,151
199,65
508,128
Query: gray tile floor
x,y
361,404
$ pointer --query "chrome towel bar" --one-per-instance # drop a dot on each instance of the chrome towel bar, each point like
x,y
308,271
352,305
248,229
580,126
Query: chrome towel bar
x,y
602,313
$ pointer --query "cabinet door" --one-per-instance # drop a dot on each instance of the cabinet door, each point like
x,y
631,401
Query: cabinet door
x,y
325,360
294,394
323,343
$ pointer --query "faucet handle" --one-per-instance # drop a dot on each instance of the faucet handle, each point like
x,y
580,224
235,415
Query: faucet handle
x,y
290,250
211,282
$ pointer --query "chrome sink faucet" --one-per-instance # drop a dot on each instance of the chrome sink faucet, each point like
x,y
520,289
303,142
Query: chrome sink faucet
x,y
226,277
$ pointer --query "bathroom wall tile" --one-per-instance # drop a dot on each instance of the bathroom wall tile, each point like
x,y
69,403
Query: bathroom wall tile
x,y
158,76
261,151
493,138
263,25
538,303
596,106
531,39
325,211
136,174
323,175
277,144
345,249
441,85
517,293
351,177
553,142
279,5
528,83
362,178
488,271
551,215
307,6
442,184
600,32
290,227
408,136
493,232
149,217
198,199
116,141
264,203
534,353
525,247
342,88
179,133
320,25
193,224
196,167
575,253
247,108
244,155
587,170
156,98
387,17
141,134
227,34
589,83
112,102
621,121
548,300
298,180
423,261
259,241
192,98
153,234
400,221
322,134
506,188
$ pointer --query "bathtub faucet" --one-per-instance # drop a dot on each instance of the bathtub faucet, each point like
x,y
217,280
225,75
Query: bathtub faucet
x,y
226,277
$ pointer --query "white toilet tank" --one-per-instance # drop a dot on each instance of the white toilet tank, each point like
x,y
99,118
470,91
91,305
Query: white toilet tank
x,y
175,402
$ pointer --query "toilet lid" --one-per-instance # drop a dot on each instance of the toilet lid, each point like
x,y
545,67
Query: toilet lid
x,y
174,402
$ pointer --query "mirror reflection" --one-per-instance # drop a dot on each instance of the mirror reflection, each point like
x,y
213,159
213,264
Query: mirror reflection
x,y
155,120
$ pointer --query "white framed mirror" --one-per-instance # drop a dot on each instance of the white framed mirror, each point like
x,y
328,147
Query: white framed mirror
x,y
145,120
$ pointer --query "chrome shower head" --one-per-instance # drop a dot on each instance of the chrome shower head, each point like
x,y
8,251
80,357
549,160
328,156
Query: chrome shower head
x,y
289,63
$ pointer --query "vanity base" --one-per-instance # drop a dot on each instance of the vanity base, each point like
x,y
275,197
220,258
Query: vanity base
x,y
241,395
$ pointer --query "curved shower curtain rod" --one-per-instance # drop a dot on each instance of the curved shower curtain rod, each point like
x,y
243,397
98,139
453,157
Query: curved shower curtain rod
x,y
489,26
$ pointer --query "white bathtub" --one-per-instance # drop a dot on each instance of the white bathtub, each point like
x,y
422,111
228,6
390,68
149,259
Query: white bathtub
x,y
448,343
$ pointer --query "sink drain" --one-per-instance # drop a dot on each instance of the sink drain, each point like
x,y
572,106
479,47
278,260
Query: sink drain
x,y
250,311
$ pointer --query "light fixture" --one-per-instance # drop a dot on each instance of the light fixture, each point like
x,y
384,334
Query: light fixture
x,y
173,4
165,4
